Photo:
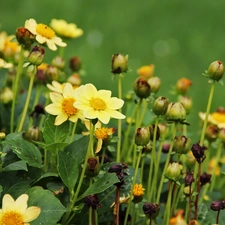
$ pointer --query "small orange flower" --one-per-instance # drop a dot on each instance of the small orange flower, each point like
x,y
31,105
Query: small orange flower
x,y
183,85
138,190
146,71
178,219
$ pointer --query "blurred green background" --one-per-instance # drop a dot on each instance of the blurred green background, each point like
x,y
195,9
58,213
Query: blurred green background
x,y
180,37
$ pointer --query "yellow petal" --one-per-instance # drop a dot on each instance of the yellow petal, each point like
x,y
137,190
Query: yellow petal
x,y
7,202
61,118
21,202
31,213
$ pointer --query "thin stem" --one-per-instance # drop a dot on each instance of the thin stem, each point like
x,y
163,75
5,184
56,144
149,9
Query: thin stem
x,y
217,217
117,201
174,129
119,128
20,127
73,131
168,204
189,204
15,88
198,192
207,113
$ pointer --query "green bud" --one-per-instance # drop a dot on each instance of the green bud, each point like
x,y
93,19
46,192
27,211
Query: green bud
x,y
160,106
142,136
58,62
155,84
36,55
119,63
75,64
186,191
181,144
216,70
190,161
93,167
164,130
173,171
187,103
142,88
175,112
32,134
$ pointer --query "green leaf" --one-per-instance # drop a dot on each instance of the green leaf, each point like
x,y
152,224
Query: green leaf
x,y
19,165
48,174
55,134
3,77
68,169
51,208
26,151
101,185
54,146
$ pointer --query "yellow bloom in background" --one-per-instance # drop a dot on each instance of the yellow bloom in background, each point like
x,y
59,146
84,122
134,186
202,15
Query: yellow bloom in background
x,y
146,71
103,134
4,64
2,135
10,48
98,104
64,29
63,106
15,212
56,87
44,34
178,219
138,190
217,118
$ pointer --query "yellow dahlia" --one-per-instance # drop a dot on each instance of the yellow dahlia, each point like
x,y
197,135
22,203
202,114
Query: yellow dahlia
x,y
56,87
44,34
64,29
98,104
63,106
15,212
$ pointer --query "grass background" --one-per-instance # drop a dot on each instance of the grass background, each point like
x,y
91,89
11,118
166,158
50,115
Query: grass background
x,y
180,37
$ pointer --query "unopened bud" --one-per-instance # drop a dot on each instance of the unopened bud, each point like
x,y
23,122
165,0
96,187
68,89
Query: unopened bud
x,y
24,37
189,178
151,210
186,102
74,79
93,167
166,148
142,88
194,222
160,106
181,144
92,201
173,171
155,84
142,136
32,134
58,62
221,135
217,205
190,161
205,178
6,95
146,71
164,130
216,70
211,133
187,191
52,73
183,85
36,55
175,112
75,64
119,63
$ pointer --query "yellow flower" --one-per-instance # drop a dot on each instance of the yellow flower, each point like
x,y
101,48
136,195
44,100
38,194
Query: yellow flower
x,y
178,219
15,212
98,104
56,87
44,34
2,135
102,134
10,48
4,64
217,118
146,71
138,190
62,106
67,30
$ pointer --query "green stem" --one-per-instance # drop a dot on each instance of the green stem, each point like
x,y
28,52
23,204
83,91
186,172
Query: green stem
x,y
174,129
168,205
119,128
207,114
73,131
198,192
20,127
15,88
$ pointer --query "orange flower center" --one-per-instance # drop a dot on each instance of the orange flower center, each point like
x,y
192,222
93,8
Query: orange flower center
x,y
67,106
45,31
101,133
138,190
11,218
98,104
219,117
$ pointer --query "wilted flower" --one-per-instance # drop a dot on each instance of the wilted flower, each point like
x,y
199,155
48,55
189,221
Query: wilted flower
x,y
92,201
217,205
142,88
64,29
198,152
146,71
24,37
189,178
205,178
44,34
93,166
151,210
98,104
16,211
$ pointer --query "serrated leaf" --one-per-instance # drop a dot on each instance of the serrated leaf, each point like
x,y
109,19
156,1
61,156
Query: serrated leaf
x,y
55,134
26,151
19,165
101,185
68,169
51,208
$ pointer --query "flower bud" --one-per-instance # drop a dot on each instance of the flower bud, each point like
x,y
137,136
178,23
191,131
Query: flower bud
x,y
217,205
166,148
186,102
58,62
6,95
24,37
93,167
138,192
92,201
183,85
2,135
181,144
146,71
142,88
52,73
211,133
187,191
198,152
151,210
152,130
175,112
205,178
160,106
75,80
221,135
216,70
147,148
189,178
142,136
75,64
119,63
173,171
194,222
32,134
164,130
155,84
36,55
